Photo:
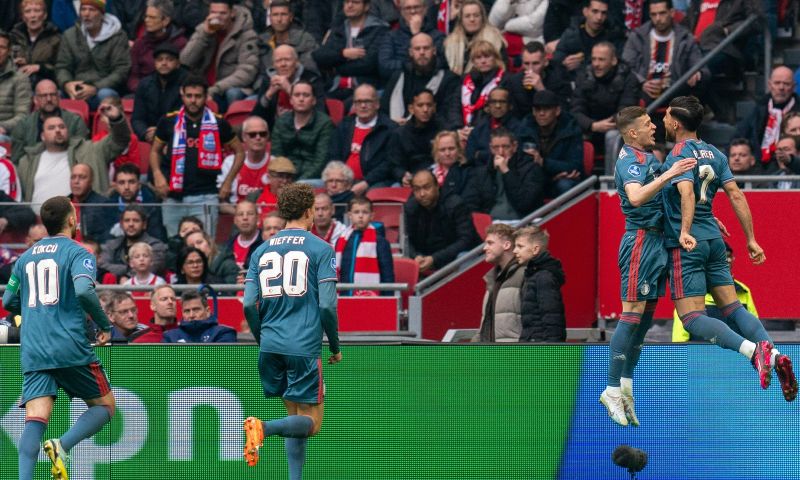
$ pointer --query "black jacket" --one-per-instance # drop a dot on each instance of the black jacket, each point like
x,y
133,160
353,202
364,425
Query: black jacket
x,y
447,97
375,163
752,126
441,232
566,152
365,70
130,14
524,186
598,98
555,79
477,150
95,220
410,147
152,101
268,109
457,179
575,40
730,14
20,217
542,306
155,224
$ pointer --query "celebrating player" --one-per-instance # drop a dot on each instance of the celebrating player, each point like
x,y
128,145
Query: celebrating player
x,y
642,257
290,298
52,284
697,252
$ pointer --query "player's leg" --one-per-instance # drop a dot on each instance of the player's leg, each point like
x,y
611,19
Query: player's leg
x,y
272,372
37,414
632,359
296,447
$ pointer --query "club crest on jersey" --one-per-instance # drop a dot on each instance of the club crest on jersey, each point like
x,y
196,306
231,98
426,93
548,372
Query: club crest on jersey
x,y
634,170
622,153
333,263
88,264
645,288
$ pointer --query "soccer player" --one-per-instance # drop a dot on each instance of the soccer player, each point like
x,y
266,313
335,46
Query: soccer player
x,y
52,285
697,256
290,298
642,257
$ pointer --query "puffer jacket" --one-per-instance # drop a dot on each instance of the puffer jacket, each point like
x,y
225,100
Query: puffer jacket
x,y
597,98
502,304
236,57
329,56
200,331
523,17
42,51
15,96
542,305
105,66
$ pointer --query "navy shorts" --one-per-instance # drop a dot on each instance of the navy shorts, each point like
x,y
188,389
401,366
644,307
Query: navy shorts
x,y
693,274
294,378
642,265
84,382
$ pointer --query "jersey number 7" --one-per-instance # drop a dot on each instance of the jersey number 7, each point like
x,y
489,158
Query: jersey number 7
x,y
292,267
707,175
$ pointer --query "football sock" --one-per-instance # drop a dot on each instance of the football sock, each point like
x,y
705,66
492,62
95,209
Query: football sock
x,y
89,423
296,456
747,348
751,327
620,345
715,331
293,426
774,356
626,384
29,446
635,350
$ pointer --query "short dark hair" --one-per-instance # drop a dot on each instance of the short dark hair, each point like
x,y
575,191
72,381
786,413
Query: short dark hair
x,y
229,3
534,47
688,110
421,91
502,132
119,297
294,200
627,116
194,295
7,36
359,200
301,82
589,2
668,2
133,207
794,138
183,254
194,80
739,142
280,3
610,46
128,168
191,219
54,213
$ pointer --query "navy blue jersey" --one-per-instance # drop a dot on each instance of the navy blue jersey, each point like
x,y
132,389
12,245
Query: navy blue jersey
x,y
637,166
710,173
288,269
53,333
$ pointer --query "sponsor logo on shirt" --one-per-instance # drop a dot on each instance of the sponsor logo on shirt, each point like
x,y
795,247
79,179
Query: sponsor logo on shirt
x,y
634,170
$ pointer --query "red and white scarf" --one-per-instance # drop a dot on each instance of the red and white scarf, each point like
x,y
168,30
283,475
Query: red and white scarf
x,y
772,131
365,264
443,17
468,108
209,149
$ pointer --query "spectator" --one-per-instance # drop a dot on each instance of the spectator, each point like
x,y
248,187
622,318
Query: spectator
x,y
93,59
232,67
253,176
128,189
538,73
244,243
426,69
158,93
501,320
44,168
15,90
189,14
786,161
140,262
509,187
162,304
485,74
130,154
559,16
36,42
521,17
338,179
221,263
193,267
790,125
602,89
275,95
124,318
92,215
158,30
762,127
317,16
439,228
741,159
303,135
114,258
175,243
362,253
262,12
9,180
575,45
194,138
395,47
283,30
198,325
131,14
325,225
557,142
280,172
363,142
15,218
471,27
350,51
410,145
451,168
542,305
498,113
46,104
272,224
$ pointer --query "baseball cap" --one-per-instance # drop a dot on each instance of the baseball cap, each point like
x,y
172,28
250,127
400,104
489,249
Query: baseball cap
x,y
166,48
545,98
281,165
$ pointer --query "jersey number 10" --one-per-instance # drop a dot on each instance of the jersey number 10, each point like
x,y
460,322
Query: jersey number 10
x,y
42,279
292,267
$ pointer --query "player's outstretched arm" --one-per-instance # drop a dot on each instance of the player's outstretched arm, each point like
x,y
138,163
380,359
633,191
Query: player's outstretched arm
x,y
686,190
11,300
742,210
87,298
330,321
251,309
638,194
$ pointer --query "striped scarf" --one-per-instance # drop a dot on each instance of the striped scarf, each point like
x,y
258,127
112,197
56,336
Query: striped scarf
x,y
365,267
467,107
209,149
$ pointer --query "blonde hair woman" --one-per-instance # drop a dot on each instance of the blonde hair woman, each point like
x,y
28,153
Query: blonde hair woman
x,y
450,166
472,26
485,75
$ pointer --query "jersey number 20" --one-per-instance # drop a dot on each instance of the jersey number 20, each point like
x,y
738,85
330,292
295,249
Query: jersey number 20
x,y
42,279
292,267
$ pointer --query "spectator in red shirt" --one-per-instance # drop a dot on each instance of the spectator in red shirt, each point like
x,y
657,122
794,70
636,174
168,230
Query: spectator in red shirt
x,y
253,176
281,172
244,243
164,307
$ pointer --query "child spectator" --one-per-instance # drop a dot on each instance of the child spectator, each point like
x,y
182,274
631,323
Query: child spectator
x,y
362,253
542,306
140,261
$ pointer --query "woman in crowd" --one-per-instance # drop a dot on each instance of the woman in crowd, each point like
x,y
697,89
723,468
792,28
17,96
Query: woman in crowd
x,y
472,26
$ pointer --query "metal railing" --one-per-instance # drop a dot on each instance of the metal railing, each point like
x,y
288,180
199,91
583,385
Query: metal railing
x,y
750,182
226,287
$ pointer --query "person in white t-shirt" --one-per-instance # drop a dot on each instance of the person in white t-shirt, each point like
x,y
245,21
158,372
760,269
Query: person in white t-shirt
x,y
140,261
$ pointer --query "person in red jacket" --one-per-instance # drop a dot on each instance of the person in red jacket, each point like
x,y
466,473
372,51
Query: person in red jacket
x,y
164,307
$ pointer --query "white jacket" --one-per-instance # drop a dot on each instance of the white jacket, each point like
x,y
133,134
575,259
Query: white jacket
x,y
523,17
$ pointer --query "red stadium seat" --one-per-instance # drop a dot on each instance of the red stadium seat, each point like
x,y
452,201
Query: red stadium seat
x,y
588,157
212,105
78,107
481,222
389,215
335,110
127,108
389,194
406,270
144,156
224,228
239,111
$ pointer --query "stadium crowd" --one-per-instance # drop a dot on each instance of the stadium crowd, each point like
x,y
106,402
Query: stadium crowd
x,y
211,107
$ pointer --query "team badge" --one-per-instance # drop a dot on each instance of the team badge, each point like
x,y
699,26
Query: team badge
x,y
88,264
645,288
208,142
333,263
634,170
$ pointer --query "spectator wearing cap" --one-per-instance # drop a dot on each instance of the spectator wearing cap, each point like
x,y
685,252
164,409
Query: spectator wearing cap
x,y
158,29
15,90
282,172
224,49
37,41
553,138
158,93
93,59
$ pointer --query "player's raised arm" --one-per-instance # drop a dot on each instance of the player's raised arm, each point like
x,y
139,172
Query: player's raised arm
x,y
742,210
639,194
329,318
686,190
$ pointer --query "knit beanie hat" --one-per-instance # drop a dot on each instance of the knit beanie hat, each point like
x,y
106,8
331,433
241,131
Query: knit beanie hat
x,y
98,4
